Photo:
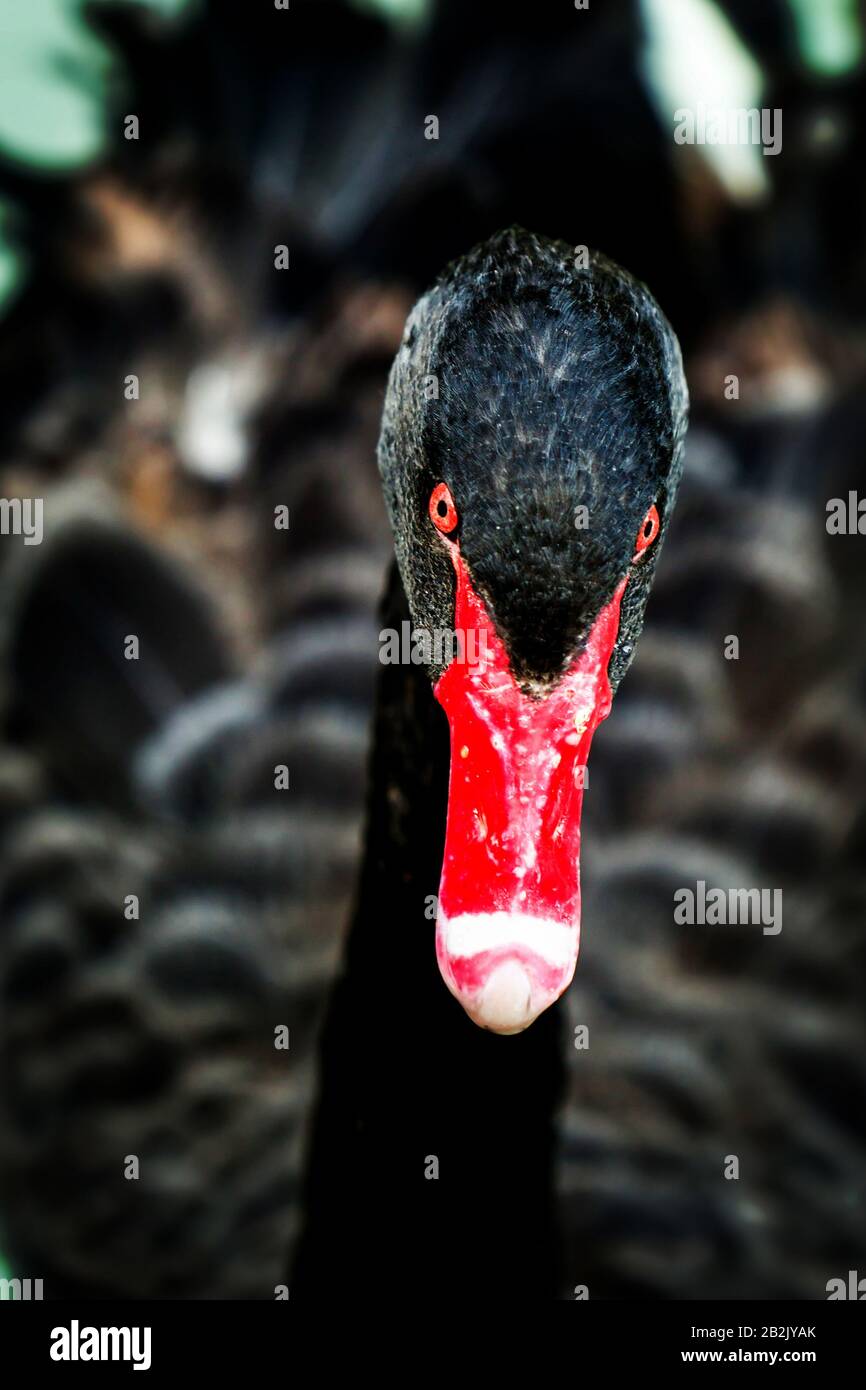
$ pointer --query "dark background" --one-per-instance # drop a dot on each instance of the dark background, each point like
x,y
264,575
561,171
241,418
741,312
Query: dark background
x,y
257,387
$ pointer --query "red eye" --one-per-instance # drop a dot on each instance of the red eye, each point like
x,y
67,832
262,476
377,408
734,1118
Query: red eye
x,y
649,529
443,512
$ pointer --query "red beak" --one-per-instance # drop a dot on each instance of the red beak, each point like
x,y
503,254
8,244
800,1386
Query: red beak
x,y
508,924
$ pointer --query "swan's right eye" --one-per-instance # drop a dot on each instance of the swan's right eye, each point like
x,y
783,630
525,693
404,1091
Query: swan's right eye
x,y
443,512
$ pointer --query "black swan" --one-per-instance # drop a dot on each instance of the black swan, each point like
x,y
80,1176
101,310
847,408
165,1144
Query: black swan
x,y
750,771
528,386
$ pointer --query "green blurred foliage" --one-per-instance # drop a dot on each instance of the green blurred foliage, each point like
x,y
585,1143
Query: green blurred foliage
x,y
407,12
55,77
829,35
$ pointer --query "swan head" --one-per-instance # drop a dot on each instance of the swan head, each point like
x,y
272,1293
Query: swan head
x,y
530,452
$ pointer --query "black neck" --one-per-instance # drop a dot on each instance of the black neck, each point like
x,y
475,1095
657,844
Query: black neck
x,y
407,1077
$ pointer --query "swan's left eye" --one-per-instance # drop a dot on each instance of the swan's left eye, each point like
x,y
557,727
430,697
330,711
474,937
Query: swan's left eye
x,y
647,532
443,512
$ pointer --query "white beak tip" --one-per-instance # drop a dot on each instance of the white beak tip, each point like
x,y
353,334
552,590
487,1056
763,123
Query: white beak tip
x,y
505,1005
505,968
